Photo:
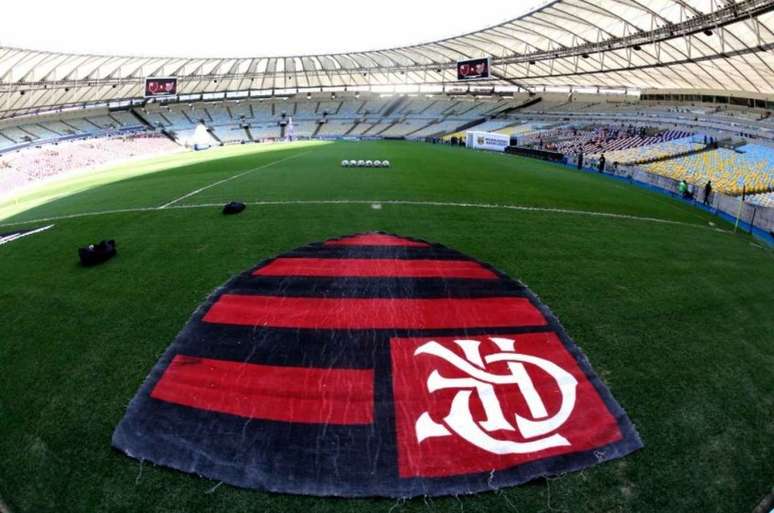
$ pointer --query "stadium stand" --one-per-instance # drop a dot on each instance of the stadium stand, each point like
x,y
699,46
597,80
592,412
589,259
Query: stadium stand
x,y
362,128
218,115
417,106
30,165
240,110
609,138
305,129
520,130
126,120
437,129
335,128
265,131
328,108
405,128
351,108
305,110
641,154
177,119
731,172
157,119
230,134
765,199
493,125
371,107
262,110
655,135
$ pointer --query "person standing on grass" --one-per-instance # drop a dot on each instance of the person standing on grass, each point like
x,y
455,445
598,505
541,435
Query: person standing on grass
x,y
602,161
683,188
707,192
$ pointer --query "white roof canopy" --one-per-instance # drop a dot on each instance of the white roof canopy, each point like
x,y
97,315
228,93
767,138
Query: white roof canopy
x,y
718,45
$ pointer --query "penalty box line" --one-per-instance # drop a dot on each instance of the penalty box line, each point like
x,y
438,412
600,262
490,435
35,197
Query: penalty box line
x,y
225,180
520,208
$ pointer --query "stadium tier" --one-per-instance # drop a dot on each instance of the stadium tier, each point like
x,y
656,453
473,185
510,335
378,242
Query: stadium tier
x,y
765,199
609,139
493,125
632,124
305,129
369,107
730,171
230,134
654,151
520,130
336,128
264,131
22,168
667,147
330,108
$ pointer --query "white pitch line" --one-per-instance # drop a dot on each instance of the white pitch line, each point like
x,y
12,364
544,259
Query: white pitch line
x,y
521,208
11,238
234,177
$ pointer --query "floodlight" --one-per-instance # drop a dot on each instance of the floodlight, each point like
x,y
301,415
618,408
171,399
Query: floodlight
x,y
369,163
377,163
386,163
344,163
361,163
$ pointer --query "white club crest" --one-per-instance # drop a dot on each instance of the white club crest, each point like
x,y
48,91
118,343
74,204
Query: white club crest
x,y
460,419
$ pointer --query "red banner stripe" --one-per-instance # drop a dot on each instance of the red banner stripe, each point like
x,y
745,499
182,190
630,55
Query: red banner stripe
x,y
363,267
381,313
376,239
289,394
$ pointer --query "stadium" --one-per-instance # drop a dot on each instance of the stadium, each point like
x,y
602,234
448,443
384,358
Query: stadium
x,y
527,267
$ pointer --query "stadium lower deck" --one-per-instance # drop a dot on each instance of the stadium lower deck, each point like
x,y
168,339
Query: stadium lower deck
x,y
672,141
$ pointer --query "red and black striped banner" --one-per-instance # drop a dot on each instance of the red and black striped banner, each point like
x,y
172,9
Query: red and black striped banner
x,y
374,365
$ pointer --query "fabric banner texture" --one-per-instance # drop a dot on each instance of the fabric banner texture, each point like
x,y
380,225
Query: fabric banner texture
x,y
374,365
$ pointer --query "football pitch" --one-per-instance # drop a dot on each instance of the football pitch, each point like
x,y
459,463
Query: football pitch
x,y
672,308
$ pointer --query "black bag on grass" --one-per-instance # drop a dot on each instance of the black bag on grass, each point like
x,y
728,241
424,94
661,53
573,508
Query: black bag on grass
x,y
97,253
234,207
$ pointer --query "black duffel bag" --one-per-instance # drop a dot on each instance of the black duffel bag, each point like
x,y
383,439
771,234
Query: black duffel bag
x,y
234,207
97,253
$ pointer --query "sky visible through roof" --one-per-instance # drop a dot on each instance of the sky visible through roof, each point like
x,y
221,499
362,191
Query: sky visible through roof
x,y
229,28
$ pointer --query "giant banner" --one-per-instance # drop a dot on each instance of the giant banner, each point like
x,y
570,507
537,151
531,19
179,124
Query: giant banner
x,y
374,365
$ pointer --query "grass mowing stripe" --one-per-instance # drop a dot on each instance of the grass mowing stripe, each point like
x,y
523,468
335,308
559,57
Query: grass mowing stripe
x,y
522,208
219,182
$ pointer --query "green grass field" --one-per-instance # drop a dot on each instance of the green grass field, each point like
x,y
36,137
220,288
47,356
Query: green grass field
x,y
673,310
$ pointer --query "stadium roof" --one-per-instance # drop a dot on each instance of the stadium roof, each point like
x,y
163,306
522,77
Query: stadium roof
x,y
717,45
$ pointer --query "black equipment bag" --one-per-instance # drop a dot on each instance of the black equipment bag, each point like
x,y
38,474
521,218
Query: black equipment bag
x,y
234,207
97,253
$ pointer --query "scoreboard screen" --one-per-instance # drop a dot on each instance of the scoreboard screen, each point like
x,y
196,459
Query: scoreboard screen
x,y
155,87
474,69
